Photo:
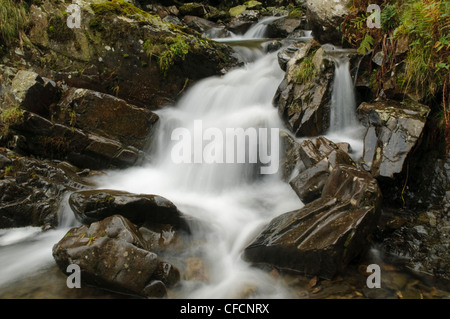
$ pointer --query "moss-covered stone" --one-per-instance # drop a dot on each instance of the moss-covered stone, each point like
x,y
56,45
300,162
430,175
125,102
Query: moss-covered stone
x,y
235,11
122,50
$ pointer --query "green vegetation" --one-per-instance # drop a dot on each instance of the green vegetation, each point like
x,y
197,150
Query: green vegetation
x,y
10,116
366,44
422,27
9,170
118,7
297,13
168,50
306,70
13,20
115,8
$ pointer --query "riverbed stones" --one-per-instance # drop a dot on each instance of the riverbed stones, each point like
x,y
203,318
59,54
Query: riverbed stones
x,y
326,234
112,255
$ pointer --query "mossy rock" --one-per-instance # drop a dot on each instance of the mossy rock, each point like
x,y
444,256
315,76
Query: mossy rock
x,y
235,11
253,5
297,13
192,9
123,51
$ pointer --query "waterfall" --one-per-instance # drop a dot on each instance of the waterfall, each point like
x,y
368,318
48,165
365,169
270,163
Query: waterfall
x,y
344,124
232,200
343,104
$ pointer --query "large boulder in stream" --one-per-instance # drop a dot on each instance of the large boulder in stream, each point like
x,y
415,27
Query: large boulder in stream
x,y
95,205
321,238
112,254
393,129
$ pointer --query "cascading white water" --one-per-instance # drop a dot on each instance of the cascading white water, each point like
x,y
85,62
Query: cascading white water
x,y
233,200
343,104
259,30
344,124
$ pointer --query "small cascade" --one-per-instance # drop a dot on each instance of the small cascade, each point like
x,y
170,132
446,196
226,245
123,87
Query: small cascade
x,y
344,124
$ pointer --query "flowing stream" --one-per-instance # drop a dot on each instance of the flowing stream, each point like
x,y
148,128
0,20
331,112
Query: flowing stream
x,y
344,124
234,200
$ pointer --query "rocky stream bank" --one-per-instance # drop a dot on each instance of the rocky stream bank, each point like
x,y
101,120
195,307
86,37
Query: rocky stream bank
x,y
79,103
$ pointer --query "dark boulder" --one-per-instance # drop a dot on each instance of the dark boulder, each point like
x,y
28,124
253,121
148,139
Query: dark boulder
x,y
33,93
318,157
107,116
95,205
32,190
325,235
41,137
113,255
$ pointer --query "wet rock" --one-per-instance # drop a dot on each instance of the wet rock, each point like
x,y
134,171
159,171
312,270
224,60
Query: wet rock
x,y
239,26
4,161
107,116
393,130
326,234
141,209
285,55
304,95
121,50
253,5
112,255
156,289
173,20
32,190
192,9
421,245
43,138
325,17
235,11
283,27
199,24
32,92
308,184
289,158
318,157
249,15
